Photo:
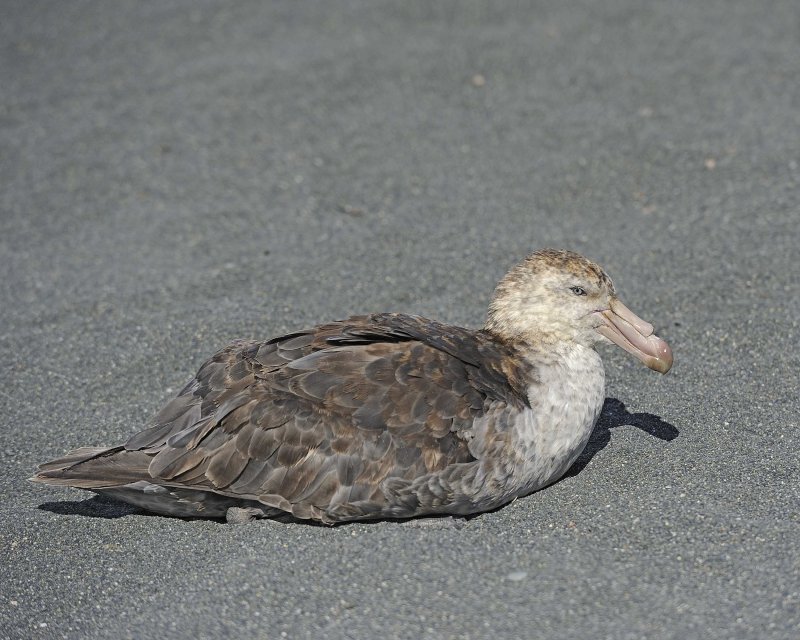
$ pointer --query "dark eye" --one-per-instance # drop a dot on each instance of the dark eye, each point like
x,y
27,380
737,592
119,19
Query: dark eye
x,y
578,291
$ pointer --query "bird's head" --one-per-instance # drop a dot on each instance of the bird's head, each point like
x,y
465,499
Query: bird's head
x,y
556,296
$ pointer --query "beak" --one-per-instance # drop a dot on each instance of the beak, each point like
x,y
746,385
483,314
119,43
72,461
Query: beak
x,y
627,330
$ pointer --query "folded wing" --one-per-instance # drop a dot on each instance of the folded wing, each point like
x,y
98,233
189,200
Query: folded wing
x,y
335,423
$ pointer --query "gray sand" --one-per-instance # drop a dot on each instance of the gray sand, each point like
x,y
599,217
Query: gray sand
x,y
174,175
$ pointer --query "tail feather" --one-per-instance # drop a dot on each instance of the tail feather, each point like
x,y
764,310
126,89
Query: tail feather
x,y
123,475
95,468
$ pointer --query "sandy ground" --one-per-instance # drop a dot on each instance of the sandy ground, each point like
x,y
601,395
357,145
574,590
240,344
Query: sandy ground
x,y
174,175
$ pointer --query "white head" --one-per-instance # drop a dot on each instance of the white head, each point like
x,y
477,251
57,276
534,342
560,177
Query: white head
x,y
554,296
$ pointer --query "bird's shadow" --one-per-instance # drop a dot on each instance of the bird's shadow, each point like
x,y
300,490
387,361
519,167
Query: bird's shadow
x,y
614,414
100,506
97,506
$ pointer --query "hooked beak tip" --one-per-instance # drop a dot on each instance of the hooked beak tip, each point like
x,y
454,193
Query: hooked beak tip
x,y
634,335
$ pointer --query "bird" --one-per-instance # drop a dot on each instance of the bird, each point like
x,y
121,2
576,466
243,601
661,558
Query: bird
x,y
385,415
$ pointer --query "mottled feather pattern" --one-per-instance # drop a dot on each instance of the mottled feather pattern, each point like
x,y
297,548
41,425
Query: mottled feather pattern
x,y
365,416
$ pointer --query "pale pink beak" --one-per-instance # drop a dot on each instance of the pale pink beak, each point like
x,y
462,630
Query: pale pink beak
x,y
624,328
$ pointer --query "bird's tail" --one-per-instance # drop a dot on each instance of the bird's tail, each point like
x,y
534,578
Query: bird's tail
x,y
95,468
122,474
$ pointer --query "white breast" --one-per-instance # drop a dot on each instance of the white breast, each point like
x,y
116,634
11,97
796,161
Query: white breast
x,y
566,400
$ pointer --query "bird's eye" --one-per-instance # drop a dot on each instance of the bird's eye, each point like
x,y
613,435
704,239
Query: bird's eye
x,y
578,291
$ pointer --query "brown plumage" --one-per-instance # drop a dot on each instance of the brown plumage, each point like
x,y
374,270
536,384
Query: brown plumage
x,y
384,415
